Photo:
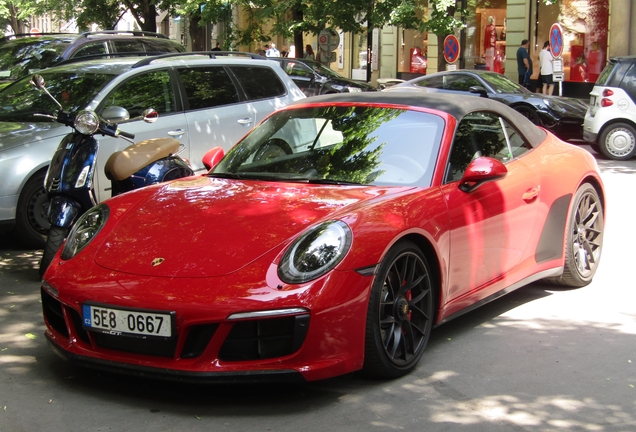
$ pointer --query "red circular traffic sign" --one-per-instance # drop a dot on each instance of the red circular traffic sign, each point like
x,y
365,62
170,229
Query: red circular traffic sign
x,y
556,40
451,49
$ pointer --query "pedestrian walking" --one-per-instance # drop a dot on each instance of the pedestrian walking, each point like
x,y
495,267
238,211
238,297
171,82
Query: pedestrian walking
x,y
309,53
523,63
272,51
545,63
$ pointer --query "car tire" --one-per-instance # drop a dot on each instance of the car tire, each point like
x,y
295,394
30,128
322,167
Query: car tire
x,y
53,242
400,313
529,113
31,221
583,240
618,141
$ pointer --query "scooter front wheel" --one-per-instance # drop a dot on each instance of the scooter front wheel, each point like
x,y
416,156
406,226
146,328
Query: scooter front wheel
x,y
53,242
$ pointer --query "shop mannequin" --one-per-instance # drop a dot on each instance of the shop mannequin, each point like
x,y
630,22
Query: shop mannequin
x,y
490,40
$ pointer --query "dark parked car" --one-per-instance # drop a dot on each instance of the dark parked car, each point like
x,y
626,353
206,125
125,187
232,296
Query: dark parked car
x,y
561,116
314,78
23,54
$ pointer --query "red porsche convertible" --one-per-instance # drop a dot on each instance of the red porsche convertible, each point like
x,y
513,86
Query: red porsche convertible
x,y
333,238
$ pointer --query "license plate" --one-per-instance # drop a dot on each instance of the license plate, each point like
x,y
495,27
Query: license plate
x,y
121,321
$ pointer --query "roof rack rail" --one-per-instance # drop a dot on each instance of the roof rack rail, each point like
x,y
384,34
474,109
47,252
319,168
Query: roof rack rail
x,y
21,35
210,54
106,55
128,32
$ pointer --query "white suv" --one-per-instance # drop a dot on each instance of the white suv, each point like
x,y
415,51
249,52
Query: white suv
x,y
610,121
203,100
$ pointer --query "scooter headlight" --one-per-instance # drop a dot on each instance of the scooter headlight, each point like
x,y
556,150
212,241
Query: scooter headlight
x,y
316,252
85,229
86,122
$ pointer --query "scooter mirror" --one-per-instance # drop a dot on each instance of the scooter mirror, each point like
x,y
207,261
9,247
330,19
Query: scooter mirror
x,y
37,81
150,115
115,114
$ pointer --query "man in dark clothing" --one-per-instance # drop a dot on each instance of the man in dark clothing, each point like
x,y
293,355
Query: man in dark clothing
x,y
523,63
217,47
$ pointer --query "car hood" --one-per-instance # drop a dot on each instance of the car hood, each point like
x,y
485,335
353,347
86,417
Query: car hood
x,y
15,134
346,82
205,227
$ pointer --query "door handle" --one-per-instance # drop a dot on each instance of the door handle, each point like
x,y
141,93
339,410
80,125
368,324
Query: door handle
x,y
531,194
245,121
176,133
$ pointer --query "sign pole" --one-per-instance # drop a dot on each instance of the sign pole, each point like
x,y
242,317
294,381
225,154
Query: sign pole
x,y
556,48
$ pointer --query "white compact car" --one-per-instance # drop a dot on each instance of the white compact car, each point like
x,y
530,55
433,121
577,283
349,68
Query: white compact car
x,y
610,121
203,100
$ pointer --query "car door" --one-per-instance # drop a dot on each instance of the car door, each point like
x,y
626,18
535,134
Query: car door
x,y
216,114
491,225
264,99
150,89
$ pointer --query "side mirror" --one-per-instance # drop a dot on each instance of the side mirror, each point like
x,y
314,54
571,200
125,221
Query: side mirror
x,y
150,115
479,90
115,114
213,157
481,170
37,81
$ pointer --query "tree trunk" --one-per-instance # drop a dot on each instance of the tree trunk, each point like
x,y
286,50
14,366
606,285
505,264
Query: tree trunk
x,y
149,17
197,33
297,15
441,61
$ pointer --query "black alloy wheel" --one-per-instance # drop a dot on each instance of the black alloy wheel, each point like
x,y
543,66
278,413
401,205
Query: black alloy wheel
x,y
31,219
584,239
400,314
529,113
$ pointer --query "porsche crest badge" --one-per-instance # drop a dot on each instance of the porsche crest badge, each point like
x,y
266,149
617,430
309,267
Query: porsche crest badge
x,y
157,261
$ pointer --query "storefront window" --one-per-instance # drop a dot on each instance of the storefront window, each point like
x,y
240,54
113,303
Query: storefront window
x,y
413,52
485,35
585,35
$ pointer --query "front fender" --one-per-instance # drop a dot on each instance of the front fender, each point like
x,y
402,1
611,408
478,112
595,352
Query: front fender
x,y
63,211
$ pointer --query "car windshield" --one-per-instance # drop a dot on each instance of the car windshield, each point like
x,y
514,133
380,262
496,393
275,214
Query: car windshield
x,y
501,84
323,70
72,89
21,57
339,145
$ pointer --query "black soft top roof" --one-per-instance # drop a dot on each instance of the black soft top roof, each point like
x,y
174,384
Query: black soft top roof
x,y
456,105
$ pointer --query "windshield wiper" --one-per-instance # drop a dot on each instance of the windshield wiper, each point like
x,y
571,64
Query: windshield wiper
x,y
326,181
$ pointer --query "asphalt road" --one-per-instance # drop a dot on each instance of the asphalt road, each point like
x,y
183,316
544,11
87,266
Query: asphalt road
x,y
538,359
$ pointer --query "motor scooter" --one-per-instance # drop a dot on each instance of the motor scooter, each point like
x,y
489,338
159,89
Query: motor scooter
x,y
69,179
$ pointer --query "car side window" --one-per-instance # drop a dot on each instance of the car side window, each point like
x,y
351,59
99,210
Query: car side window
x,y
435,82
252,78
478,134
124,46
91,49
459,82
518,145
295,69
629,82
208,87
149,90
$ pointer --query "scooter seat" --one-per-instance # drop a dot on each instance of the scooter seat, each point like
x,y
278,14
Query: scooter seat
x,y
124,163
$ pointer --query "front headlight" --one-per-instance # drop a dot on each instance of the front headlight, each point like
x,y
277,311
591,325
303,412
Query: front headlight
x,y
85,229
86,122
315,253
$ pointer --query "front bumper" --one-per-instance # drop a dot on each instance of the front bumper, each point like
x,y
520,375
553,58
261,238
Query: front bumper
x,y
322,338
273,376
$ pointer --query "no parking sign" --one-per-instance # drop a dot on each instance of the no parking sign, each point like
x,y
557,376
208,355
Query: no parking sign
x,y
451,49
